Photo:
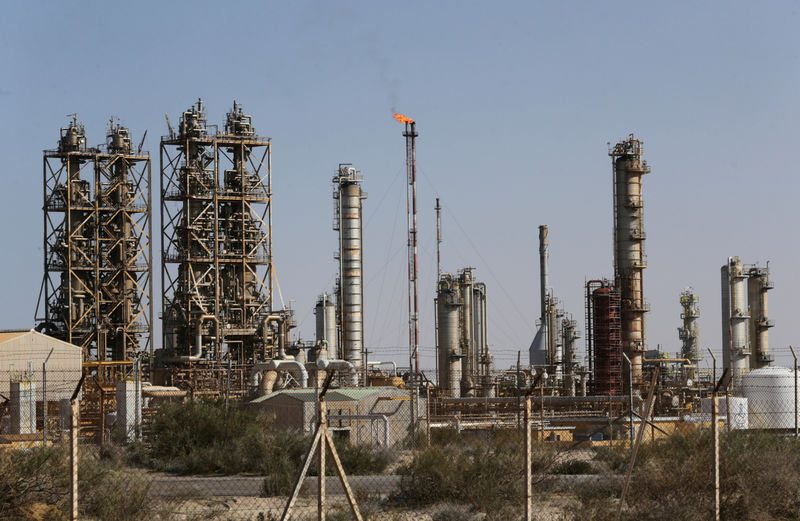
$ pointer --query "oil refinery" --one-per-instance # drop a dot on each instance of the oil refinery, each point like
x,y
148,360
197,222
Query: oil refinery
x,y
222,333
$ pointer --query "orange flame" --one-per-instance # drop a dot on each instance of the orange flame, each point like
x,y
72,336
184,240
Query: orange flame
x,y
402,119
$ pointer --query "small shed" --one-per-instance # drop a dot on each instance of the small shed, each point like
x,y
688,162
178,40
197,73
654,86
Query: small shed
x,y
364,415
22,353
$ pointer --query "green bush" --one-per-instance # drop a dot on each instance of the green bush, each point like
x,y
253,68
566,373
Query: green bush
x,y
35,486
203,437
483,477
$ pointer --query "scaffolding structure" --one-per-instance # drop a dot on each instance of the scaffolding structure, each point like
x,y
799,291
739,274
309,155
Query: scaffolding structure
x,y
216,233
97,285
604,338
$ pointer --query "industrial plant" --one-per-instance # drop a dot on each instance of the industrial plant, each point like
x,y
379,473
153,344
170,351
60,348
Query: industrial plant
x,y
222,334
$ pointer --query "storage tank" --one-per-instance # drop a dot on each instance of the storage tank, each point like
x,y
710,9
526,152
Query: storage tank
x,y
770,393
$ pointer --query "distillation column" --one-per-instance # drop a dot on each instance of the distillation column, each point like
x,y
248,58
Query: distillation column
x,y
735,318
448,302
629,256
758,284
544,283
348,221
688,332
326,331
569,334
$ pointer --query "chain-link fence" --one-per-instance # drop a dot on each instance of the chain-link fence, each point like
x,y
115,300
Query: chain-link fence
x,y
144,451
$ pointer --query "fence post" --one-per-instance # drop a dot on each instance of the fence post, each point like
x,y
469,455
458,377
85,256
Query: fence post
x,y
715,437
323,427
794,355
44,403
44,398
73,451
528,462
541,411
630,395
428,415
715,448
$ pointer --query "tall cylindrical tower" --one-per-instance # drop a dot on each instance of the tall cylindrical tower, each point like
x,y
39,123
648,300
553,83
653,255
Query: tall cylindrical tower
x,y
629,257
348,221
739,318
688,332
325,313
448,301
758,284
544,284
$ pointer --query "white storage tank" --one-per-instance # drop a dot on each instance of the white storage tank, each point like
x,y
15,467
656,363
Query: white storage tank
x,y
770,393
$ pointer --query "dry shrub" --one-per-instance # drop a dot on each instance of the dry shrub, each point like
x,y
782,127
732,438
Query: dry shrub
x,y
673,479
488,477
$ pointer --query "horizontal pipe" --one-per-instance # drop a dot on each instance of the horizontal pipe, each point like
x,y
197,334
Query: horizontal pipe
x,y
393,364
548,400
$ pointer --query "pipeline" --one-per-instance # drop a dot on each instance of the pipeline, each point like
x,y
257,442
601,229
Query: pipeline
x,y
393,364
270,372
280,320
324,365
198,348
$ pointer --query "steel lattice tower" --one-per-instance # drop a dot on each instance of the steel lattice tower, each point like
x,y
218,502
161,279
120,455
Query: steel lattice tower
x,y
216,220
97,286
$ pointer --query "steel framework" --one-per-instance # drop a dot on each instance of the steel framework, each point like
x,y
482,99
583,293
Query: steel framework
x,y
97,285
216,232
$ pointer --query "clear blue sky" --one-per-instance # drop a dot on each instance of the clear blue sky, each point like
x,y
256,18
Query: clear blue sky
x,y
515,103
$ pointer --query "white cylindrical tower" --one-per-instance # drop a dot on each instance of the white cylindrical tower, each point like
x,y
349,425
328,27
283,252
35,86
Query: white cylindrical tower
x,y
448,302
739,318
758,284
325,313
348,221
629,256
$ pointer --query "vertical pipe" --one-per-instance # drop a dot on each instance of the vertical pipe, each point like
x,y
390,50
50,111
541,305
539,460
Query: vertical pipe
x,y
438,209
411,134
